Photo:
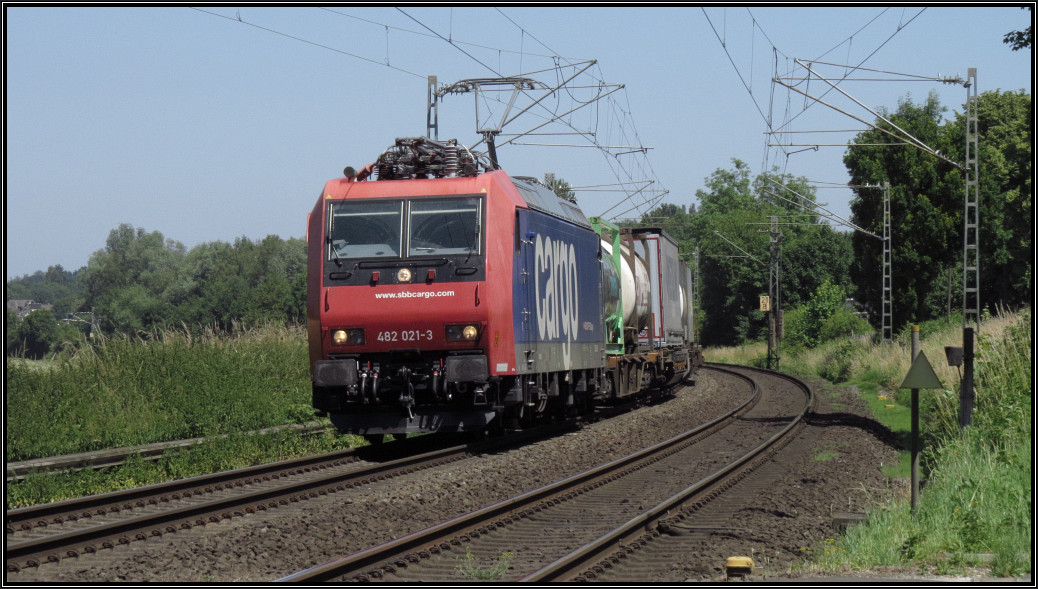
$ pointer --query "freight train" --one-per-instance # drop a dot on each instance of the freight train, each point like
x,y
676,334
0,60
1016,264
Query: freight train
x,y
444,295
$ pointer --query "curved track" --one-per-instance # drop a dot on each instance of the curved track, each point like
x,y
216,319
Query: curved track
x,y
551,532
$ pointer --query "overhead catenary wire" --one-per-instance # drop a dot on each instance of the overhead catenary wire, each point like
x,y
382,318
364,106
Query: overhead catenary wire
x,y
558,117
849,69
308,42
621,117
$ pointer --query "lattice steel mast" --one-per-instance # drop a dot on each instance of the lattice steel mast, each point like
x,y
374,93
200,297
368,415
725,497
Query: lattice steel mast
x,y
971,216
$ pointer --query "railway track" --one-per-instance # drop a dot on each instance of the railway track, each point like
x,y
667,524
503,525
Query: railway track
x,y
116,456
568,530
51,532
271,543
675,529
54,531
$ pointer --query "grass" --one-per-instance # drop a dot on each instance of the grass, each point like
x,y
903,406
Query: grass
x,y
130,391
976,507
470,568
212,455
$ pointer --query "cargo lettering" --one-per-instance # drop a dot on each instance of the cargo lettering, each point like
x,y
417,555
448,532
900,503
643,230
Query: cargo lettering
x,y
555,266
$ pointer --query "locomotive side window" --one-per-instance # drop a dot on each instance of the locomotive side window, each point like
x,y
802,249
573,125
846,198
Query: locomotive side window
x,y
444,226
365,229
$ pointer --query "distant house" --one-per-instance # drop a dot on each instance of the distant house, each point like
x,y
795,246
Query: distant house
x,y
23,306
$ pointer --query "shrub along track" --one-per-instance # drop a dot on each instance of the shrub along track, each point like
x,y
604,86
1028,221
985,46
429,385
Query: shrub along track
x,y
278,542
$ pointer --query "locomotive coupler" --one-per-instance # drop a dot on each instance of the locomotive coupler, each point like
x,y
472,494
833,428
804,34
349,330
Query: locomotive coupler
x,y
479,396
436,384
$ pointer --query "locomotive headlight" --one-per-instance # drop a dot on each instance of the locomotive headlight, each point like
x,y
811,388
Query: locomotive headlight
x,y
403,275
348,337
461,333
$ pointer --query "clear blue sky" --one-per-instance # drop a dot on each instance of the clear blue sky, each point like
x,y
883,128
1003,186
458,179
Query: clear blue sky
x,y
207,128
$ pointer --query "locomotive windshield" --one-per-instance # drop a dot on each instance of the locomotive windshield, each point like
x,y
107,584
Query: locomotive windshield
x,y
443,226
419,227
365,229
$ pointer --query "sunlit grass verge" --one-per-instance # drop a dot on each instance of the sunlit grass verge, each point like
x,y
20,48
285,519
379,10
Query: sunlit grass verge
x,y
213,455
975,511
172,385
751,354
131,391
975,508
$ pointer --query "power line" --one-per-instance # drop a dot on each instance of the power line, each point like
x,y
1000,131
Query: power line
x,y
426,35
621,117
737,72
308,42
449,42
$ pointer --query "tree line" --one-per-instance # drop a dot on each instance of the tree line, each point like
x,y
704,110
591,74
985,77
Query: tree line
x,y
142,281
821,267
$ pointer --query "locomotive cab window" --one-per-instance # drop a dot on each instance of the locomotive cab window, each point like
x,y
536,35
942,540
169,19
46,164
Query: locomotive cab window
x,y
404,228
369,229
440,227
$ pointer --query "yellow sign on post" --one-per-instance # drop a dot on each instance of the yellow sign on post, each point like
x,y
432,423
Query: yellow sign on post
x,y
765,304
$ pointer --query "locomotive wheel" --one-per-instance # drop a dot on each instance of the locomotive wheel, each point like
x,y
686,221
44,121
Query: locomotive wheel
x,y
399,436
374,439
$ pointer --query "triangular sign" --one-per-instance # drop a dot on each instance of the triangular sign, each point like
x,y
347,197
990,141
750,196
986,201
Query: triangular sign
x,y
921,375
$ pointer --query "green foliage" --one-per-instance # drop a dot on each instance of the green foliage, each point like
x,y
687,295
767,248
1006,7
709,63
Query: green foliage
x,y
978,495
128,391
57,287
823,318
844,323
735,252
11,324
470,568
837,365
1003,388
37,333
804,327
560,187
1021,39
142,282
212,455
927,206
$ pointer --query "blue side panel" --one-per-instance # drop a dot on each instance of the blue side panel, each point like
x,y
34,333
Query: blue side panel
x,y
556,293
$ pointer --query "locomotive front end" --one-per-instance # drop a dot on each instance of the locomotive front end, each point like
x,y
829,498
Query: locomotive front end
x,y
398,332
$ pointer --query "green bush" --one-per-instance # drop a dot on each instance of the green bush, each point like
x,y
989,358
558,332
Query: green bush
x,y
838,361
976,506
823,318
128,391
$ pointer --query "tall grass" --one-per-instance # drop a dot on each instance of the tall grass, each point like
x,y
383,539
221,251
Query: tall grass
x,y
751,354
127,391
976,505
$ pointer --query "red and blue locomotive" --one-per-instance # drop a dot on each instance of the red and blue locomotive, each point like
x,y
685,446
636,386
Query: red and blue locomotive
x,y
446,298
